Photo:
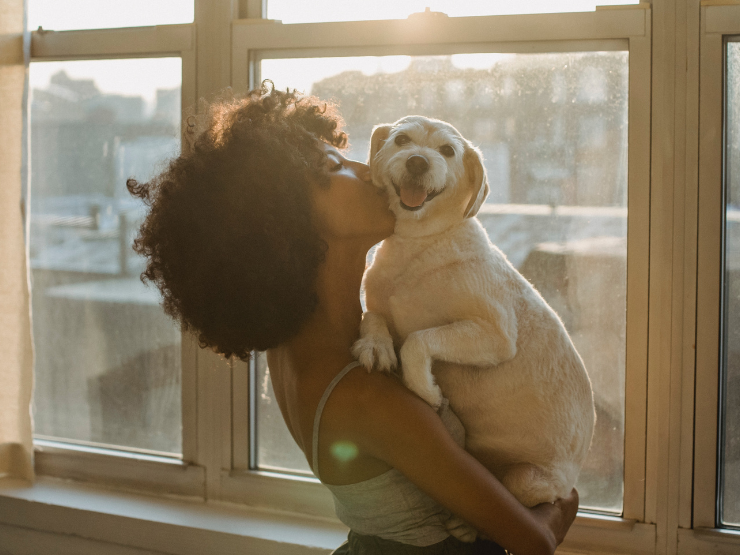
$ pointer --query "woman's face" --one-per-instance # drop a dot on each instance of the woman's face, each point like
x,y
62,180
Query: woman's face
x,y
351,206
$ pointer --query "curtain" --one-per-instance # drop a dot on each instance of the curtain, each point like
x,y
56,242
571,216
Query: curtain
x,y
16,351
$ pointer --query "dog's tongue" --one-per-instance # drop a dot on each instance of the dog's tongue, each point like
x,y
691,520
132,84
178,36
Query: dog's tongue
x,y
413,195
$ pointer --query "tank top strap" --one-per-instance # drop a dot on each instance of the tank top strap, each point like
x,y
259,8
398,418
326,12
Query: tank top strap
x,y
320,409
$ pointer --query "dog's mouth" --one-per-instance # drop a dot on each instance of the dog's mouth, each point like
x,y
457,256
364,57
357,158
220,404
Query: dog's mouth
x,y
413,197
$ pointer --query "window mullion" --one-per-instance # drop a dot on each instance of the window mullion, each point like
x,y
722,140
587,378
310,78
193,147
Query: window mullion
x,y
213,19
638,259
708,278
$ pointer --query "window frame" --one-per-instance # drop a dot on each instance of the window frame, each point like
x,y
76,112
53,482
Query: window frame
x,y
718,23
624,29
110,466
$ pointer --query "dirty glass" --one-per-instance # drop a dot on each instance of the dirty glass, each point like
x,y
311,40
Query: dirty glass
x,y
276,450
729,490
553,132
107,359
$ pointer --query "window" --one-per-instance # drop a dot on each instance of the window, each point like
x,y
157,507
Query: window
x,y
551,112
107,358
111,377
610,141
553,132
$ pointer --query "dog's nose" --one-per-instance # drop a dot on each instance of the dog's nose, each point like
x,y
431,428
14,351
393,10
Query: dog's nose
x,y
417,164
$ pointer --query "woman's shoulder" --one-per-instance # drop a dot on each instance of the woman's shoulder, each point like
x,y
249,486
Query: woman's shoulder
x,y
368,391
378,412
359,415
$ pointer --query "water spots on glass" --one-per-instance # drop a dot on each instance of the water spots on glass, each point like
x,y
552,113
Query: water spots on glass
x,y
265,393
108,359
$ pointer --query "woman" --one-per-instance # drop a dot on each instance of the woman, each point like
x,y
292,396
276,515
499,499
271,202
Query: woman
x,y
257,240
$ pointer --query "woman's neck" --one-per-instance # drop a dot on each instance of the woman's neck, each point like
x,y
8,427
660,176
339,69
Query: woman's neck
x,y
334,325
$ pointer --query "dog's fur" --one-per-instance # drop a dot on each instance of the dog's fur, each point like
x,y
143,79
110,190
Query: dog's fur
x,y
461,313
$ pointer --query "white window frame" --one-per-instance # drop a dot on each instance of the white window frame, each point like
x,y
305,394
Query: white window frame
x,y
674,234
128,469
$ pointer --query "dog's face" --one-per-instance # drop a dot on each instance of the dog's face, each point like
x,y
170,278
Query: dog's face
x,y
428,169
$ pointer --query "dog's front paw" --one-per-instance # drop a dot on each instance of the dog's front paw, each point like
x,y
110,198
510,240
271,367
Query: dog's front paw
x,y
460,529
375,352
417,371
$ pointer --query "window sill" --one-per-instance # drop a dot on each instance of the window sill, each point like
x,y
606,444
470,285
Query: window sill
x,y
593,533
118,469
88,518
98,521
712,541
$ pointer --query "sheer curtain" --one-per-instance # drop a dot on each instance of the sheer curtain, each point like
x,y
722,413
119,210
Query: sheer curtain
x,y
16,354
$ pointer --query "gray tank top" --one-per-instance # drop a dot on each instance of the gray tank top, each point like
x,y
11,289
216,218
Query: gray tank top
x,y
388,506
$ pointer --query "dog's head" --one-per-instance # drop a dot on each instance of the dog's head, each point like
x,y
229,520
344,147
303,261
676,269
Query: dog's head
x,y
429,170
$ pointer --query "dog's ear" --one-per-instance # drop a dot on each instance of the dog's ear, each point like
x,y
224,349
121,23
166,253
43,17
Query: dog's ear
x,y
379,136
476,174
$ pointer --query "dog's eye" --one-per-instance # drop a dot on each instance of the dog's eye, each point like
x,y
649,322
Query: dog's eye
x,y
447,150
402,140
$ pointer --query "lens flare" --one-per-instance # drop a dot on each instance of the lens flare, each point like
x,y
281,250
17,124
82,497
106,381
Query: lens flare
x,y
344,451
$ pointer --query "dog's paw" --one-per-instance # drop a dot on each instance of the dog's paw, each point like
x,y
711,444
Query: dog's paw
x,y
375,353
460,529
417,372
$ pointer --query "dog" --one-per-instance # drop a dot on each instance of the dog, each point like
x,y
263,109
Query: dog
x,y
467,325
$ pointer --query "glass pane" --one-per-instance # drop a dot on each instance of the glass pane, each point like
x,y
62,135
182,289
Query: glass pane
x,y
107,357
276,449
63,15
730,426
553,131
300,11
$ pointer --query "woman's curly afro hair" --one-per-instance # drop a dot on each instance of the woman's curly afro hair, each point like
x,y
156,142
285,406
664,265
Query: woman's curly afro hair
x,y
229,237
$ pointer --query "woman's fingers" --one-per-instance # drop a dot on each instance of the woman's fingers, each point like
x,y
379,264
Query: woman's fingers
x,y
559,516
568,509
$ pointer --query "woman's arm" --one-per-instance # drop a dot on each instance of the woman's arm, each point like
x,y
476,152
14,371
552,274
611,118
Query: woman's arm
x,y
390,423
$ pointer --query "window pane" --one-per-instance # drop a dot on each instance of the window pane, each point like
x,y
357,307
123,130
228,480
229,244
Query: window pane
x,y
730,426
300,11
63,15
553,131
276,449
107,358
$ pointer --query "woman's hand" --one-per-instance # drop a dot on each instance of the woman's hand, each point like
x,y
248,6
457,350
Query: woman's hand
x,y
558,516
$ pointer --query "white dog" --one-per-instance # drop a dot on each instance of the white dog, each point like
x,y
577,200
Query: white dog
x,y
470,326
